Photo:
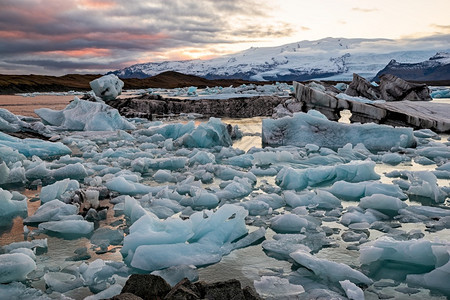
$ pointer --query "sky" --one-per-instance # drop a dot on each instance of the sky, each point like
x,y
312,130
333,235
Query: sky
x,y
55,37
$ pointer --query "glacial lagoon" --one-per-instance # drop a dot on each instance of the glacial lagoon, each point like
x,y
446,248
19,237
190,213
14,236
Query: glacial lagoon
x,y
251,263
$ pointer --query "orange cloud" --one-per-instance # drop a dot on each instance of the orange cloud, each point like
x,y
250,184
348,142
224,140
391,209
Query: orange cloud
x,y
92,52
97,4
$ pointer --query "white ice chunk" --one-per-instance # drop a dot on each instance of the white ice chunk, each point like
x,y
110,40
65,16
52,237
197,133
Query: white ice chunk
x,y
272,287
75,227
85,115
352,291
385,204
57,189
315,128
288,223
107,87
30,147
9,207
15,267
110,292
292,179
52,211
63,282
355,191
126,187
424,184
322,268
25,251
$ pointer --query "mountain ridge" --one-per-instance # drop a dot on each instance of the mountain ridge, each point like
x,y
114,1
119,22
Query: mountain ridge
x,y
328,58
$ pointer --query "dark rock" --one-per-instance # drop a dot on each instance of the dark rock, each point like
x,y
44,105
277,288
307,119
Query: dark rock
x,y
251,294
147,286
361,87
225,290
394,88
126,296
149,106
184,290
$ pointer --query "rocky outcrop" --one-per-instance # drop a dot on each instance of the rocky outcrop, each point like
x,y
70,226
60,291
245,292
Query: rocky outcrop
x,y
415,114
391,88
360,87
146,286
394,88
150,106
151,287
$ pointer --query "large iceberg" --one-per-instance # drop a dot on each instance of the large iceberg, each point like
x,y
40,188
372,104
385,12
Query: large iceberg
x,y
314,128
107,87
85,115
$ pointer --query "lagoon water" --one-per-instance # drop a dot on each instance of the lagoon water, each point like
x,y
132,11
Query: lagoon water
x,y
247,264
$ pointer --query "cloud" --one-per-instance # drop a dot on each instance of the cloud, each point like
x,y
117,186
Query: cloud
x,y
34,31
364,10
442,28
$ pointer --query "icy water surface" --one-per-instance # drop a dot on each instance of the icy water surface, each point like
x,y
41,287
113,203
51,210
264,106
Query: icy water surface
x,y
250,263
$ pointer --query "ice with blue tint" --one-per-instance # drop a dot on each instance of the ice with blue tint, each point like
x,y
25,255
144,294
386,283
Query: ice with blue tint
x,y
10,207
9,122
315,128
207,135
437,279
318,198
98,274
272,287
398,258
202,239
85,115
236,188
62,282
107,87
30,147
17,290
34,244
15,267
352,291
68,227
58,190
440,93
202,158
25,251
168,131
53,210
294,179
10,155
108,293
424,184
385,204
329,270
288,223
143,164
200,198
127,187
355,191
359,215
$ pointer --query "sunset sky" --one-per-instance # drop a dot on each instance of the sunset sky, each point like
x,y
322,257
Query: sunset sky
x,y
95,36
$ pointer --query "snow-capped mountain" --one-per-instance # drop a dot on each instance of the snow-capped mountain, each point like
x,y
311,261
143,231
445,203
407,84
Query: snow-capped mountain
x,y
329,58
435,68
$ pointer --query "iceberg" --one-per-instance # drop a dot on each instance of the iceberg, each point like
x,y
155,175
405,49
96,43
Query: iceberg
x,y
355,191
54,210
15,267
200,240
272,287
85,115
314,128
107,87
30,147
385,204
58,190
322,268
68,227
10,207
292,179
